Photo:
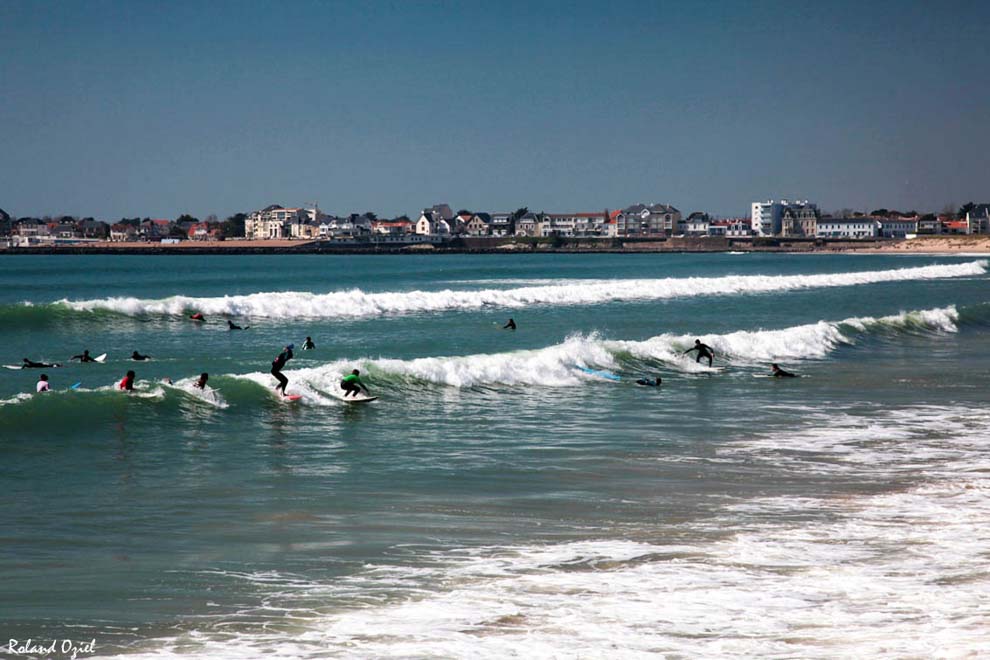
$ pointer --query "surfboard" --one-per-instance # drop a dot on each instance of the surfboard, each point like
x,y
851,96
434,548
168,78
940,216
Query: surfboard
x,y
101,358
21,366
75,386
608,375
13,366
353,400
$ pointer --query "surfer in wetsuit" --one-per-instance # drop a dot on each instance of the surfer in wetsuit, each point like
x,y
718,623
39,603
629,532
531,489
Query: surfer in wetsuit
x,y
43,385
777,372
84,357
127,382
233,326
649,382
511,325
278,363
704,351
352,383
308,345
31,364
201,383
138,357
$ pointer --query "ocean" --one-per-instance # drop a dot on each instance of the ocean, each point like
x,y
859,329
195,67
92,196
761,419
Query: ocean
x,y
502,498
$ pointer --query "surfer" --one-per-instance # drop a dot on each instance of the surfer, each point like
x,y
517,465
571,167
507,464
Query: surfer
x,y
233,326
777,372
84,357
201,383
42,385
138,357
352,383
31,364
308,345
649,382
511,325
127,382
197,317
278,363
704,351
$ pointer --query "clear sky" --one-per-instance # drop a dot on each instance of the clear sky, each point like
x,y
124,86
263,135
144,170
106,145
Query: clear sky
x,y
154,109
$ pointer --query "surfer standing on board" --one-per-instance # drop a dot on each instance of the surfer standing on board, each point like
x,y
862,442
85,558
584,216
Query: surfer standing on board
x,y
84,357
352,383
704,351
277,365
201,383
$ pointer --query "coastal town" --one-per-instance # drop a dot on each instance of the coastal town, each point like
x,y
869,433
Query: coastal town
x,y
439,226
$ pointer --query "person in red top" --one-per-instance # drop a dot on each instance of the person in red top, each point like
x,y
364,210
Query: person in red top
x,y
198,317
127,382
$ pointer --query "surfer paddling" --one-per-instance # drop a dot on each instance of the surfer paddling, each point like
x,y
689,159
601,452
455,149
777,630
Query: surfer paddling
x,y
31,364
197,317
650,382
351,384
85,357
511,325
777,372
278,364
704,351
233,326
127,382
137,357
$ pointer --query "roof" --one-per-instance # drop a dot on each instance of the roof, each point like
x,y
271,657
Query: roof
x,y
484,217
663,208
957,224
635,208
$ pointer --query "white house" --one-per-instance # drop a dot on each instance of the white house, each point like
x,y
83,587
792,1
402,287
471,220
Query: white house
x,y
767,217
273,222
848,228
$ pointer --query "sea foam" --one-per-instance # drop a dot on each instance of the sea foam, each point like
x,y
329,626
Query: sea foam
x,y
560,365
357,304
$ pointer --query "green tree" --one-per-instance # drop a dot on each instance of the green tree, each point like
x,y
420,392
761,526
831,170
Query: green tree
x,y
520,213
234,225
964,209
185,217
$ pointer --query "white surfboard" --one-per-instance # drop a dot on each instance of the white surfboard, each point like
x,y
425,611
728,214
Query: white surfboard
x,y
101,358
348,399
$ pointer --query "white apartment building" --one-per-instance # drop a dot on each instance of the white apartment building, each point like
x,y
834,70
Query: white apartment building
x,y
848,228
767,217
274,222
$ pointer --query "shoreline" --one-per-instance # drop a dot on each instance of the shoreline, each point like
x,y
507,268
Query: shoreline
x,y
941,245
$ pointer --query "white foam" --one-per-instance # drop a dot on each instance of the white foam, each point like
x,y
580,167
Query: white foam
x,y
896,574
559,365
357,303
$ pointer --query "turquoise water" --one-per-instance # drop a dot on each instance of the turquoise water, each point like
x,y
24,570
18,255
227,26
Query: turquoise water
x,y
497,499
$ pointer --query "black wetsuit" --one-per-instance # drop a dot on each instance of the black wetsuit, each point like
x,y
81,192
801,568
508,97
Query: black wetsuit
x,y
780,373
309,345
277,365
648,382
511,325
31,364
137,356
704,351
83,358
232,326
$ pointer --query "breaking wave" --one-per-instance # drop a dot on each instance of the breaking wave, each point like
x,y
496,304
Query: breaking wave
x,y
562,365
356,303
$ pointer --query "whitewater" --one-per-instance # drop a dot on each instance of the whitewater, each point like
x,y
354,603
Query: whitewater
x,y
505,495
357,303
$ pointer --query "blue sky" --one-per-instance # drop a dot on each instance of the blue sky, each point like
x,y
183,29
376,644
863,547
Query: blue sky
x,y
144,108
